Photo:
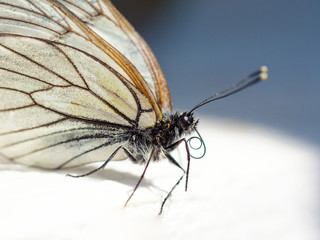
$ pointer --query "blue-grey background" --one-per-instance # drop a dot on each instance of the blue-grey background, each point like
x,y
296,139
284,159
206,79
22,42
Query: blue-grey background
x,y
204,46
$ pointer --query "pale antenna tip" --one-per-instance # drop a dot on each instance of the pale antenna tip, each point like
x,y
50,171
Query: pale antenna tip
x,y
264,69
263,76
263,73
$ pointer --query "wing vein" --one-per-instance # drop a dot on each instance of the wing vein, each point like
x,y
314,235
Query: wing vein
x,y
17,108
31,128
82,9
35,62
22,74
70,61
48,17
52,134
81,154
14,89
35,24
38,14
60,143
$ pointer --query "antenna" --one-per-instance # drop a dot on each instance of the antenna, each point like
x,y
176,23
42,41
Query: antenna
x,y
248,81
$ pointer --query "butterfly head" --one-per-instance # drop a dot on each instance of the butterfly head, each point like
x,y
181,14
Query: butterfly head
x,y
186,122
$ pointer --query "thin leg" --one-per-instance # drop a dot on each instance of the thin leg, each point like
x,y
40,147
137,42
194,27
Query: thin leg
x,y
144,171
172,160
105,163
174,146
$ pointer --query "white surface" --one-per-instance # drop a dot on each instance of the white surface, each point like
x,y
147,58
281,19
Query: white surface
x,y
252,184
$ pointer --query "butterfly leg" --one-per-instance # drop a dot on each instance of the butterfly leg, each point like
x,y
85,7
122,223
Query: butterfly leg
x,y
106,162
153,152
172,160
174,146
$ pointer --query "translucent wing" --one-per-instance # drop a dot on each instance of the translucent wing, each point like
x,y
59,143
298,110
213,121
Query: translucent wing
x,y
67,96
104,19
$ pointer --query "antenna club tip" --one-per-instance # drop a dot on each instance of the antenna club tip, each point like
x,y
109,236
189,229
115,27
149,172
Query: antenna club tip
x,y
263,76
264,69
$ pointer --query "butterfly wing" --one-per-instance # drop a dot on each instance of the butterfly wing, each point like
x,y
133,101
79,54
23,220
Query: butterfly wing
x,y
67,96
135,49
103,18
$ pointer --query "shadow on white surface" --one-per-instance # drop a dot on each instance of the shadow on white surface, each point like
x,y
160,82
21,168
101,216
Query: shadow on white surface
x,y
253,183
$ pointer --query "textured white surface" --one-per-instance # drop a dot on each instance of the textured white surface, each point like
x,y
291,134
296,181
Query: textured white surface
x,y
252,184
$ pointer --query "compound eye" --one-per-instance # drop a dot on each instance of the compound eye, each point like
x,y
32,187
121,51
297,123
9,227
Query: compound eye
x,y
186,122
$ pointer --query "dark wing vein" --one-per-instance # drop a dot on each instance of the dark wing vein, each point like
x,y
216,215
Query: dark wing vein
x,y
14,89
85,137
22,74
35,62
30,23
70,61
50,18
118,75
83,153
55,133
17,108
87,120
42,14
36,127
80,8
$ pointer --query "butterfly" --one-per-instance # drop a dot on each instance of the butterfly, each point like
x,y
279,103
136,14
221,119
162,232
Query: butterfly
x,y
79,85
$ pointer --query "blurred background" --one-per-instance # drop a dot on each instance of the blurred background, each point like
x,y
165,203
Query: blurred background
x,y
205,46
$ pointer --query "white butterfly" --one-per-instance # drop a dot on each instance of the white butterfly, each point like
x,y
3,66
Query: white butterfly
x,y
79,85
67,92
